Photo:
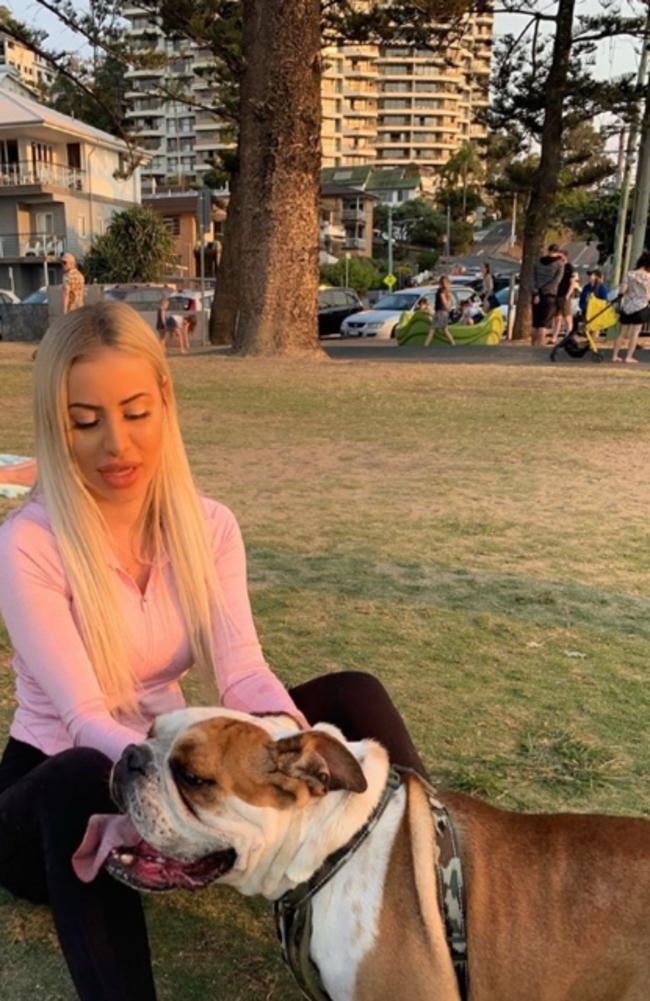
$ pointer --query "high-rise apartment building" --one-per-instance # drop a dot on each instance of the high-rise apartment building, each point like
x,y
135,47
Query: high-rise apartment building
x,y
182,139
388,105
397,104
34,72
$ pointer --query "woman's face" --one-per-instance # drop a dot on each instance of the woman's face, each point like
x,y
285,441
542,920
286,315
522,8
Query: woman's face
x,y
116,411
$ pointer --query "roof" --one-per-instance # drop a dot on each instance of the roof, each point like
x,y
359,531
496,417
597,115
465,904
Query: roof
x,y
343,191
18,111
370,177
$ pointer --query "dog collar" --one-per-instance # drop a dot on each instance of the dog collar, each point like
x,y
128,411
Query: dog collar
x,y
293,911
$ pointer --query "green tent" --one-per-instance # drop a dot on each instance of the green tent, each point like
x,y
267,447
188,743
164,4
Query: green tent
x,y
414,325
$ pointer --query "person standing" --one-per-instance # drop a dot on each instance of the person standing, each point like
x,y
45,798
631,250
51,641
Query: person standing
x,y
487,286
547,274
73,283
635,308
594,286
441,314
564,305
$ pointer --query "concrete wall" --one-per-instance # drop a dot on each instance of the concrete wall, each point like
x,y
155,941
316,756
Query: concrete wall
x,y
23,323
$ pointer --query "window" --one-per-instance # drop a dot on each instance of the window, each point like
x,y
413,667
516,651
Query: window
x,y
173,224
81,225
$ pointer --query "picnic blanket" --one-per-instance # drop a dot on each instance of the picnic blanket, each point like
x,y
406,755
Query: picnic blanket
x,y
13,490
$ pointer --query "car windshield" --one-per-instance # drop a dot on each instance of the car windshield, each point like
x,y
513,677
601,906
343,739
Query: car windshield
x,y
399,301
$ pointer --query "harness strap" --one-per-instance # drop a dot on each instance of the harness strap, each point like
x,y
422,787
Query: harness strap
x,y
293,911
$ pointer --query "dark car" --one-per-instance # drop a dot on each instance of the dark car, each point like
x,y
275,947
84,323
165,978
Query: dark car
x,y
334,304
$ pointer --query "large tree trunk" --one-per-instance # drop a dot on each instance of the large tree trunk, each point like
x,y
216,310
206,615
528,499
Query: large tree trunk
x,y
225,305
278,184
545,183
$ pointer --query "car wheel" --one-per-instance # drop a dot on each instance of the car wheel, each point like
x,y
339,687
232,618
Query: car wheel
x,y
393,333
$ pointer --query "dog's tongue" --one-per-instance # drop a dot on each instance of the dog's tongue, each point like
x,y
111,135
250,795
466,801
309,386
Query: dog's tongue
x,y
104,832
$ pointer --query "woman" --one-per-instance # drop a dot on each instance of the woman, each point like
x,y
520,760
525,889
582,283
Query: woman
x,y
116,577
441,314
635,308
487,286
169,324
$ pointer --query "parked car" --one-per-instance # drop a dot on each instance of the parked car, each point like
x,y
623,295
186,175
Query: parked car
x,y
8,298
334,306
141,293
382,319
188,301
37,298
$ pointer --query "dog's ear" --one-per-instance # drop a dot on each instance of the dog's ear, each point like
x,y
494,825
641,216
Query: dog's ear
x,y
317,759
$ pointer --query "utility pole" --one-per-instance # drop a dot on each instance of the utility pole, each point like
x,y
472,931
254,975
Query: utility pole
x,y
448,233
513,224
621,221
390,238
642,187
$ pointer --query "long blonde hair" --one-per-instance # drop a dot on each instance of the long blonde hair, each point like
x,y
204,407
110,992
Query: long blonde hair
x,y
172,515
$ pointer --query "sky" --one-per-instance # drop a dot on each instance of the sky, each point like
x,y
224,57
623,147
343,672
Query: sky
x,y
615,56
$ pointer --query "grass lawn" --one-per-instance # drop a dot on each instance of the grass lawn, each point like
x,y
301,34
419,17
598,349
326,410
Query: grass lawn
x,y
475,535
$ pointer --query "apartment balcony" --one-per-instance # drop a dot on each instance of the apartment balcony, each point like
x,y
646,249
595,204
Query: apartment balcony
x,y
354,243
367,131
354,215
31,247
360,112
18,177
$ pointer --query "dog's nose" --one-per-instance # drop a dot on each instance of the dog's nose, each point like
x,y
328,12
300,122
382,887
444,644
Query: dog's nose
x,y
136,757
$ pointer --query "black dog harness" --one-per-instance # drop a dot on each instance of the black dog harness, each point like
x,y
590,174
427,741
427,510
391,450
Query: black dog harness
x,y
293,911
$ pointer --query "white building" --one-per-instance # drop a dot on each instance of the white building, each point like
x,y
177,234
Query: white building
x,y
60,183
181,140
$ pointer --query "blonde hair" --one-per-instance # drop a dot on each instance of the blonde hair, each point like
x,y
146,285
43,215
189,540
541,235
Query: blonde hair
x,y
172,514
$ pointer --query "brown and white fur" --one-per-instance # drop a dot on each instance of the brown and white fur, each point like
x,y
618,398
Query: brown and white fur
x,y
558,907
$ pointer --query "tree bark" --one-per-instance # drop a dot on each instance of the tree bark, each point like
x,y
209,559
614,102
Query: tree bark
x,y
545,182
277,200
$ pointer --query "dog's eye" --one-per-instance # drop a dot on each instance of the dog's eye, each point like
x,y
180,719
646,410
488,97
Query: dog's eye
x,y
192,780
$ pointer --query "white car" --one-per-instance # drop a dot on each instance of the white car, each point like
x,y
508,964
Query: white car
x,y
382,319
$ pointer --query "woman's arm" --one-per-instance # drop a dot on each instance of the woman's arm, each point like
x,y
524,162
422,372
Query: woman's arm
x,y
244,679
35,603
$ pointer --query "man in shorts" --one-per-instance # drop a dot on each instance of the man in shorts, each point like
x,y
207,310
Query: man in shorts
x,y
73,284
547,274
565,295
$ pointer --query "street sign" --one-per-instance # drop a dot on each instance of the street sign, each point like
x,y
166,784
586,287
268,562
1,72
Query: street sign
x,y
204,209
390,280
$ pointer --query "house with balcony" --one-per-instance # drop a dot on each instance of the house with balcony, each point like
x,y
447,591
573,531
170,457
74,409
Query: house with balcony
x,y
346,220
179,210
60,183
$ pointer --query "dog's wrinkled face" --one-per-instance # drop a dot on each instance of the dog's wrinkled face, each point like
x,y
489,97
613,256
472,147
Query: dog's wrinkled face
x,y
210,790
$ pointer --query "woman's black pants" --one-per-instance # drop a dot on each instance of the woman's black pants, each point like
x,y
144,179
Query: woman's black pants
x,y
45,804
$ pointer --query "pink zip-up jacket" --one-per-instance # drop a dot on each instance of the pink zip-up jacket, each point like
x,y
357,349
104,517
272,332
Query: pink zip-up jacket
x,y
60,703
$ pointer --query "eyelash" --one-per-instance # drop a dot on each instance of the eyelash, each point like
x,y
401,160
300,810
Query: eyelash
x,y
93,424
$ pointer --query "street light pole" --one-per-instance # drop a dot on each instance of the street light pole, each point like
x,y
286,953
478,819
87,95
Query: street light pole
x,y
390,238
626,183
513,224
642,186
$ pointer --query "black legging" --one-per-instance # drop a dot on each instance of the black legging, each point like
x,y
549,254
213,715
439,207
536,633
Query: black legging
x,y
45,804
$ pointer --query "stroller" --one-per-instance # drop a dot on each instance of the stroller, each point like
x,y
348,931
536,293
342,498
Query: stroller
x,y
584,326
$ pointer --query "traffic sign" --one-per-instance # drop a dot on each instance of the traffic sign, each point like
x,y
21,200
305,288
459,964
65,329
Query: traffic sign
x,y
390,280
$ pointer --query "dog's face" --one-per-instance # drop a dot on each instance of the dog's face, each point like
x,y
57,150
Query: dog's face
x,y
214,792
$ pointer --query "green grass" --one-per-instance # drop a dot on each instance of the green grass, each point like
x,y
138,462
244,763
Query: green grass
x,y
477,536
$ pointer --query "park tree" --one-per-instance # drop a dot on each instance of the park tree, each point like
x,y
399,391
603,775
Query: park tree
x,y
136,247
267,54
543,85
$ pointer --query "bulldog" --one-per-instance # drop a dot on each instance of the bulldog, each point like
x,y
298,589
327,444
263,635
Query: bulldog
x,y
557,907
